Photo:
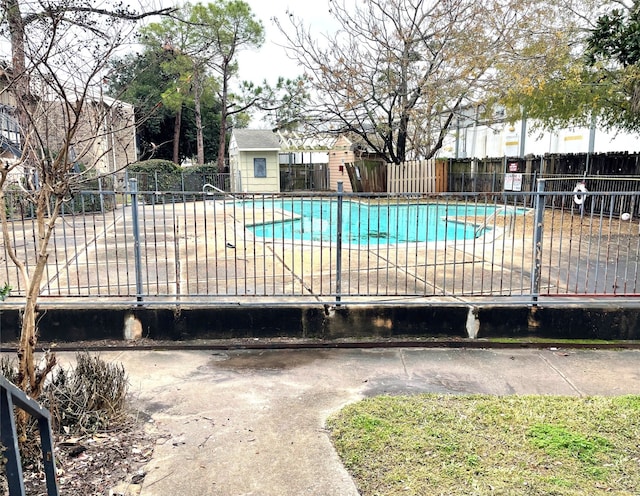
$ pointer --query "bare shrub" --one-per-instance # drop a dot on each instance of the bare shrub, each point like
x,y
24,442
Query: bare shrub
x,y
8,368
88,398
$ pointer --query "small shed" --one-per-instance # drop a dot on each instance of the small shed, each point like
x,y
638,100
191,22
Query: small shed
x,y
340,156
253,161
359,168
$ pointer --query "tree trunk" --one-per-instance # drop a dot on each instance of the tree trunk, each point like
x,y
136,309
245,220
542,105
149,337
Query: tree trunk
x,y
20,77
223,116
176,136
222,138
198,117
401,143
30,379
27,379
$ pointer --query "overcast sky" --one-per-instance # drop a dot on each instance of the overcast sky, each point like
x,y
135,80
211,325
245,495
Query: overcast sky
x,y
271,61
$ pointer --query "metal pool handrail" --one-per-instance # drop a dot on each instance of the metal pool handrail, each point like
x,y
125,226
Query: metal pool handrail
x,y
211,186
479,229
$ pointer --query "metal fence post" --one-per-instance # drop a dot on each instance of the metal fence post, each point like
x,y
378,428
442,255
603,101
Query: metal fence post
x,y
101,195
537,241
339,245
133,190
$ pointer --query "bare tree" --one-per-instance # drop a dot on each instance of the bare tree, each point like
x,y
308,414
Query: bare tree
x,y
396,72
59,55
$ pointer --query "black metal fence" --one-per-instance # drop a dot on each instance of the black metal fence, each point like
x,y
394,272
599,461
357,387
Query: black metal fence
x,y
192,246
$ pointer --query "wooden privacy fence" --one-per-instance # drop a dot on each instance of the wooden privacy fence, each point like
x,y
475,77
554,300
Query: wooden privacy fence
x,y
417,176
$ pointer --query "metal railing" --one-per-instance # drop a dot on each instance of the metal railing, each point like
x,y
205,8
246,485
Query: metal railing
x,y
11,396
179,182
195,247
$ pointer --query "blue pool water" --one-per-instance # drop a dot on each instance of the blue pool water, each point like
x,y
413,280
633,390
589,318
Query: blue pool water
x,y
368,224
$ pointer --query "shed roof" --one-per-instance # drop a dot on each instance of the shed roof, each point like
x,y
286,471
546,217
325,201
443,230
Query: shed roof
x,y
256,139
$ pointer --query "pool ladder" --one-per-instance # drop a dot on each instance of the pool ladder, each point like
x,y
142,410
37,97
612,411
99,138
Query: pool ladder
x,y
479,230
208,189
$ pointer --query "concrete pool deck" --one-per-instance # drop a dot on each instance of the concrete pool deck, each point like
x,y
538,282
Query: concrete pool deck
x,y
199,249
202,249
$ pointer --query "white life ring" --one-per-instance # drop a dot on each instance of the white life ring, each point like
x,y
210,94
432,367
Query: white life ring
x,y
580,191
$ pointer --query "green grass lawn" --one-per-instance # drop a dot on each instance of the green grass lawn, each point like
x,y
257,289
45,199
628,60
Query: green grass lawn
x,y
488,445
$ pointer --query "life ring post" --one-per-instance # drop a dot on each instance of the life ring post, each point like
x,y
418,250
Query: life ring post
x,y
579,193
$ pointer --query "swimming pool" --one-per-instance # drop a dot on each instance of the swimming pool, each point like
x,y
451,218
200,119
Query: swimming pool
x,y
380,223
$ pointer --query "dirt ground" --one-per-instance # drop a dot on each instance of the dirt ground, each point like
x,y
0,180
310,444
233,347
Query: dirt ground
x,y
564,222
102,464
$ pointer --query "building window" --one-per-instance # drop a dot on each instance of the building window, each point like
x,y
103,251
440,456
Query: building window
x,y
260,167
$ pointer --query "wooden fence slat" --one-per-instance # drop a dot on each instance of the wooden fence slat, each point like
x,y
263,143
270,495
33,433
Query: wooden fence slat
x,y
416,176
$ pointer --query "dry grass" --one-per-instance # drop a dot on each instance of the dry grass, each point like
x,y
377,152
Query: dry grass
x,y
557,222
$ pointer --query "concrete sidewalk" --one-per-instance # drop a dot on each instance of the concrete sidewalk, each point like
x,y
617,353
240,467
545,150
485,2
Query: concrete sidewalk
x,y
252,422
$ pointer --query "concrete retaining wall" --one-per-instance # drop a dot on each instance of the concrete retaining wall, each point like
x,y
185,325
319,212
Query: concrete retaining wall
x,y
569,322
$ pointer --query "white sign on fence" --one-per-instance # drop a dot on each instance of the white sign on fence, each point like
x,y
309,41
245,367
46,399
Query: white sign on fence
x,y
513,182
